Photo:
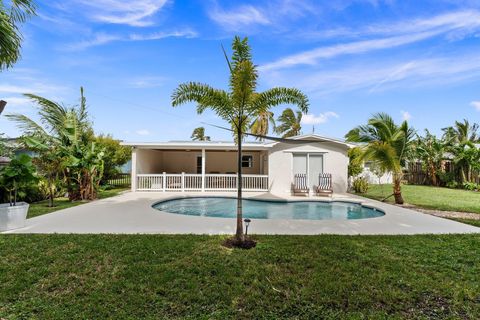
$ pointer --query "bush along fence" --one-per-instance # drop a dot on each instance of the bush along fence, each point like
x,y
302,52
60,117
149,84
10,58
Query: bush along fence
x,y
120,180
449,176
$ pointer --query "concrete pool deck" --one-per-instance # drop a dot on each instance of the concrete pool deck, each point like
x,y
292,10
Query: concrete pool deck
x,y
131,213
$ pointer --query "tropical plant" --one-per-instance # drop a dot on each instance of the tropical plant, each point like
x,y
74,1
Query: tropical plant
x,y
18,174
386,143
12,14
360,185
431,152
289,123
462,132
115,155
261,125
238,105
67,137
198,134
355,165
462,139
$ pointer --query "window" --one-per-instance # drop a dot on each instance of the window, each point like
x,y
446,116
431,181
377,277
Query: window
x,y
247,161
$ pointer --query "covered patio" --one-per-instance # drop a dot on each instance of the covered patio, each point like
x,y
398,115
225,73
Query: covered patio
x,y
198,166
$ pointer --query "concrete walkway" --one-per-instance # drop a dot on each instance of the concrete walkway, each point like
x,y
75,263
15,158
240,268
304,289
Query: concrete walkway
x,y
132,213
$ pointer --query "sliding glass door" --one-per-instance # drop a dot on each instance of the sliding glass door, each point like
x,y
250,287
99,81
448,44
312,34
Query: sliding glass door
x,y
310,164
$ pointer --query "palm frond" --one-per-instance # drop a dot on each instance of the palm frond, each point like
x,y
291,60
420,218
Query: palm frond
x,y
278,96
205,97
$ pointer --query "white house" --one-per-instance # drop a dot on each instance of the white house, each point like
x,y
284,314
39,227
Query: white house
x,y
211,165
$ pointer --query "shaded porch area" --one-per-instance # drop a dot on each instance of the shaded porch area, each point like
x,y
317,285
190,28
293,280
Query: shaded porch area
x,y
198,170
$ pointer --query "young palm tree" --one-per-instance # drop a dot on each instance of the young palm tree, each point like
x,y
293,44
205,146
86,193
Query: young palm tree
x,y
386,143
198,134
239,104
290,123
261,125
12,14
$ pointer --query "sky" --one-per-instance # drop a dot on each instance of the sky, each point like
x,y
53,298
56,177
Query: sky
x,y
416,60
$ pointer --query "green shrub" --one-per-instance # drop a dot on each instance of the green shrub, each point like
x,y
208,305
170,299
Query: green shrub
x,y
360,185
452,184
470,186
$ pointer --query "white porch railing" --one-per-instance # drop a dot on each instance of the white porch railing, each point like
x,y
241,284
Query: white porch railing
x,y
194,182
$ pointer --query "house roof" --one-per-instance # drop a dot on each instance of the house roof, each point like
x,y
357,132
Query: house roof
x,y
229,145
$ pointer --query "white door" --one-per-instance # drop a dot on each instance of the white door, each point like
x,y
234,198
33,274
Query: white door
x,y
299,163
309,164
315,167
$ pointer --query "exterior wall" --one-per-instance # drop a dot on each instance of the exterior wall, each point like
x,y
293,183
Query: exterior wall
x,y
148,161
374,179
223,162
335,161
159,161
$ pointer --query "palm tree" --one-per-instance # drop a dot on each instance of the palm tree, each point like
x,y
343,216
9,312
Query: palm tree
x,y
461,138
290,123
261,125
239,104
67,140
431,151
462,132
198,134
12,14
386,143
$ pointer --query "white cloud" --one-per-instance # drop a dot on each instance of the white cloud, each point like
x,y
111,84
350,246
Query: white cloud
x,y
476,105
136,13
147,82
321,118
33,87
376,75
104,38
246,15
142,132
408,32
406,115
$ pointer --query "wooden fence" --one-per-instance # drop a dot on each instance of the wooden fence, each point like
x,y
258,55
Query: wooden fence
x,y
121,180
415,174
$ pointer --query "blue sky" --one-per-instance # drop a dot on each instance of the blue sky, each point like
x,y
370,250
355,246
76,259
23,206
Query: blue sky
x,y
416,60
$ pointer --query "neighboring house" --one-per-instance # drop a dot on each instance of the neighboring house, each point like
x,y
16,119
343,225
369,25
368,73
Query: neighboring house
x,y
372,177
212,165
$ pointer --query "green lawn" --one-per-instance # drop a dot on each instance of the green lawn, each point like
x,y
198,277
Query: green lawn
x,y
162,276
431,197
41,207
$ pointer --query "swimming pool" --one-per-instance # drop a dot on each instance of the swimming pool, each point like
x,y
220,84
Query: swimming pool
x,y
225,207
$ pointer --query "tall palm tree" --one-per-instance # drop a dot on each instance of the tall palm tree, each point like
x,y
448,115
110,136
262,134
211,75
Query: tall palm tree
x,y
12,14
290,123
261,125
239,104
198,134
386,143
431,150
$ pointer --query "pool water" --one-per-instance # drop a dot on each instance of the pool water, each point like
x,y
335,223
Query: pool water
x,y
224,207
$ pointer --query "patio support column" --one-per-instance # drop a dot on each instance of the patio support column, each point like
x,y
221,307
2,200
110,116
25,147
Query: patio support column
x,y
203,169
134,170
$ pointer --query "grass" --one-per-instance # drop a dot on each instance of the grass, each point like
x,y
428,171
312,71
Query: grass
x,y
41,207
431,197
187,276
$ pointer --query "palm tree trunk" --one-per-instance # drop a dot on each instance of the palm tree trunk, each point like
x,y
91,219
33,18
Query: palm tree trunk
x,y
239,234
397,187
